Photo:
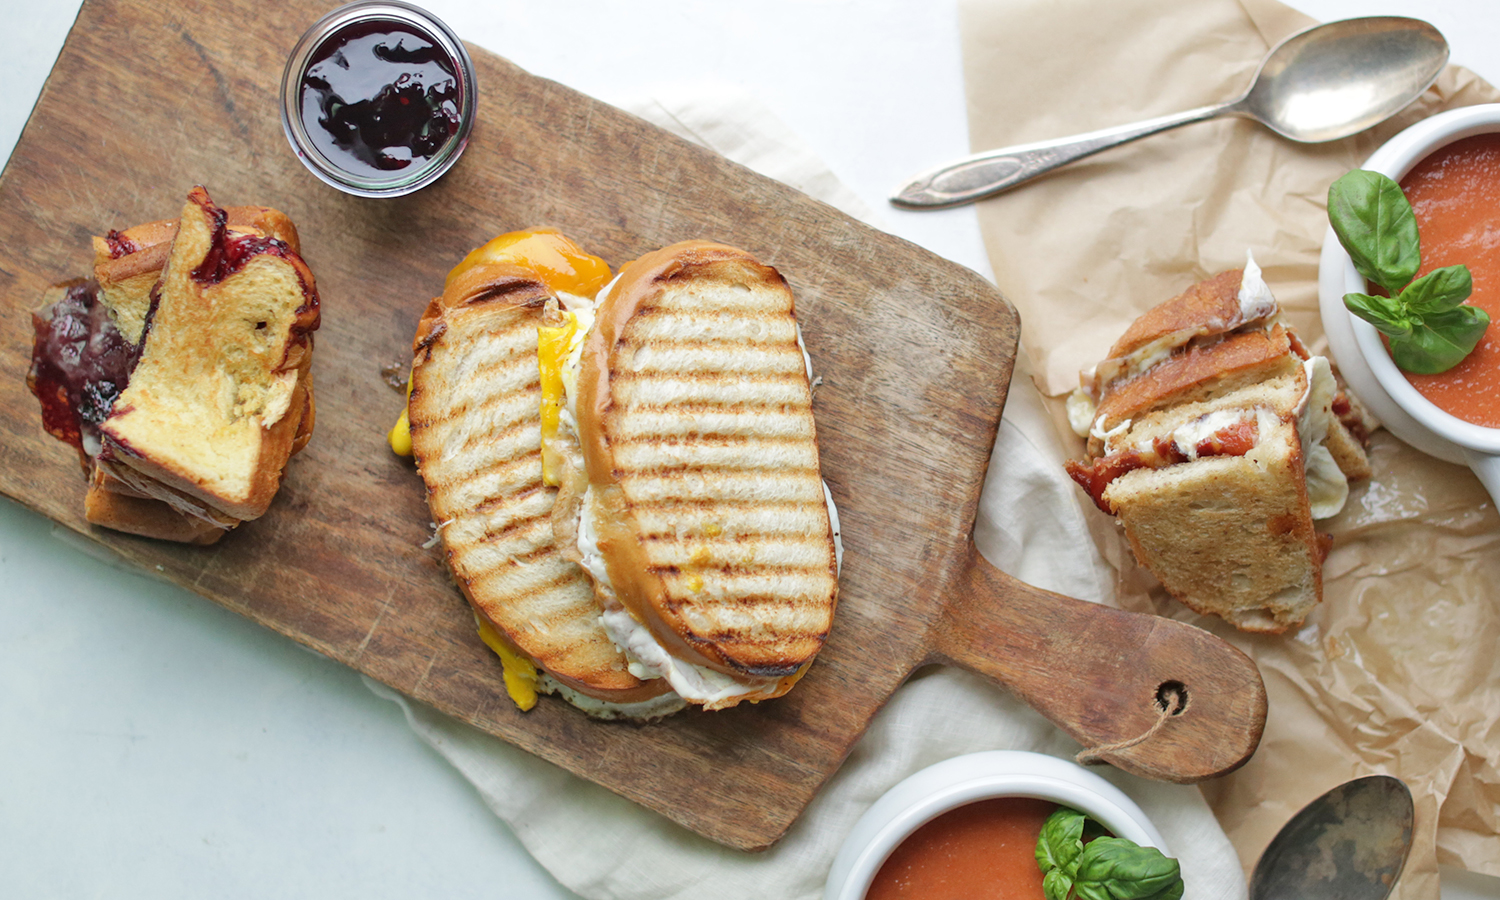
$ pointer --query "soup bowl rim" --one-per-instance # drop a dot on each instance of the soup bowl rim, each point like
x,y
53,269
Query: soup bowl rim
x,y
955,782
1363,358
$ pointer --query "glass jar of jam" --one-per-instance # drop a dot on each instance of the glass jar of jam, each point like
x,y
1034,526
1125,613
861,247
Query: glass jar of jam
x,y
378,98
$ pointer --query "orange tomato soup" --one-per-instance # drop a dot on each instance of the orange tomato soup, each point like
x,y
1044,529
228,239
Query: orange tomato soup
x,y
984,849
1455,193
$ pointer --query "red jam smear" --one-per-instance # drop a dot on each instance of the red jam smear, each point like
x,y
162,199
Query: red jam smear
x,y
80,364
1455,193
379,97
228,253
120,245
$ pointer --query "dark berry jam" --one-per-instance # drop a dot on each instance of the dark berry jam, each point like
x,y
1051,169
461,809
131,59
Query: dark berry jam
x,y
119,244
80,363
228,253
380,96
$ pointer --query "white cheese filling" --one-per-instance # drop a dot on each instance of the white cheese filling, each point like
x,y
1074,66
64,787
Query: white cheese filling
x,y
655,708
647,657
1256,305
1327,486
1255,297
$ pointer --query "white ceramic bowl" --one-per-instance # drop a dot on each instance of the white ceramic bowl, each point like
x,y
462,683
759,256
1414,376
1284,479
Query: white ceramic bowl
x,y
1362,357
978,776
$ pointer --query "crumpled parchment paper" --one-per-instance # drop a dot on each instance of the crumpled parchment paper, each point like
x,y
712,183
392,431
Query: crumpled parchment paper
x,y
1398,670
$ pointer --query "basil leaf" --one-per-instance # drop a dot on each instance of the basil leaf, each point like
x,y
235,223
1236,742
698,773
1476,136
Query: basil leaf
x,y
1438,290
1117,869
1387,315
1441,341
1375,223
1061,841
1056,885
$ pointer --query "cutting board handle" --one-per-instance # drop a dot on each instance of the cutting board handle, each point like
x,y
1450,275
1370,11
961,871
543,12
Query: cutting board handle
x,y
1152,696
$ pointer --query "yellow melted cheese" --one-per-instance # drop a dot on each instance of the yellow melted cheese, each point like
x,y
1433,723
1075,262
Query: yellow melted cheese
x,y
520,673
399,436
551,353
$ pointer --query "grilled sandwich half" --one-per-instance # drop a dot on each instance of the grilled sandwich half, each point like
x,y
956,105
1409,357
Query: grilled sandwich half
x,y
1217,439
476,422
181,371
689,476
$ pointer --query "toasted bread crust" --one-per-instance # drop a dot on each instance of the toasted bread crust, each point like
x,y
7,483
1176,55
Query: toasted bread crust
x,y
475,425
1208,307
128,264
1196,374
115,505
691,519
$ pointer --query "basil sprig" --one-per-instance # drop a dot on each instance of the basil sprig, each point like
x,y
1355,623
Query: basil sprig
x,y
1080,863
1430,327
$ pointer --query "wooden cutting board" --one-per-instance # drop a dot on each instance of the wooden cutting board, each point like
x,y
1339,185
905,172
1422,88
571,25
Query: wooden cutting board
x,y
915,355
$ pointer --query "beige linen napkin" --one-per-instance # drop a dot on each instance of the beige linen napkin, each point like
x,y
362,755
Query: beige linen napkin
x,y
1030,524
1397,670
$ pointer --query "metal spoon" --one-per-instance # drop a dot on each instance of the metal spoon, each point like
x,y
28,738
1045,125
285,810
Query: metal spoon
x,y
1349,844
1327,83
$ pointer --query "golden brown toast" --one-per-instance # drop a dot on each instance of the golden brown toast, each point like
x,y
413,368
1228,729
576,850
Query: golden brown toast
x,y
128,264
475,430
695,418
221,395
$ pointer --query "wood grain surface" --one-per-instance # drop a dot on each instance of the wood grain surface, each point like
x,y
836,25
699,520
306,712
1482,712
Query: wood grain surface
x,y
915,353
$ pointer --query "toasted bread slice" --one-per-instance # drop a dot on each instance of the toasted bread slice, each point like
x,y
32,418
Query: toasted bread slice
x,y
694,414
219,398
116,505
474,415
128,264
1195,373
1229,535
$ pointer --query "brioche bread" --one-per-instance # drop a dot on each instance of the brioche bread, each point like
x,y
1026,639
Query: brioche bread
x,y
1216,439
700,510
193,329
215,404
475,424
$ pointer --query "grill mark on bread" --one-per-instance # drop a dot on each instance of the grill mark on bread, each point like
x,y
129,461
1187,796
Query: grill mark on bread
x,y
709,436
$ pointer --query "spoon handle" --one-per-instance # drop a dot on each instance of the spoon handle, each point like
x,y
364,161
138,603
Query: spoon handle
x,y
985,174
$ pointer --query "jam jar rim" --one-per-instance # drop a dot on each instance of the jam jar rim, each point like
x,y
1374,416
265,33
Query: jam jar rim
x,y
298,62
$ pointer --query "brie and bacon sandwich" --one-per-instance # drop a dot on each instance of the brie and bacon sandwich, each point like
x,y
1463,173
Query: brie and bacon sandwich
x,y
1216,439
181,371
627,490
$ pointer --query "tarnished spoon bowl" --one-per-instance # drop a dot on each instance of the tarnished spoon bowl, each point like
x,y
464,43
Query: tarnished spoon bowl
x,y
1349,844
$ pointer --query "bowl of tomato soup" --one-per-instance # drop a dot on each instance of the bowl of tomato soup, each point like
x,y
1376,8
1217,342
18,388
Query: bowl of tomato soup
x,y
1449,168
967,828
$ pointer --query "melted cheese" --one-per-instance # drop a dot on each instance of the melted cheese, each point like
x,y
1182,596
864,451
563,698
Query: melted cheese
x,y
1327,486
399,437
551,351
521,679
1255,298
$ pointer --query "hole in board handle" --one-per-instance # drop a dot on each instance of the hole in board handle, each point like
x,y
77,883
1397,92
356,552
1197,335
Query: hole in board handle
x,y
1172,698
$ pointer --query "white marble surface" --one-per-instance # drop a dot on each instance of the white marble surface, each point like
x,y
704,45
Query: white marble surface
x,y
154,744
